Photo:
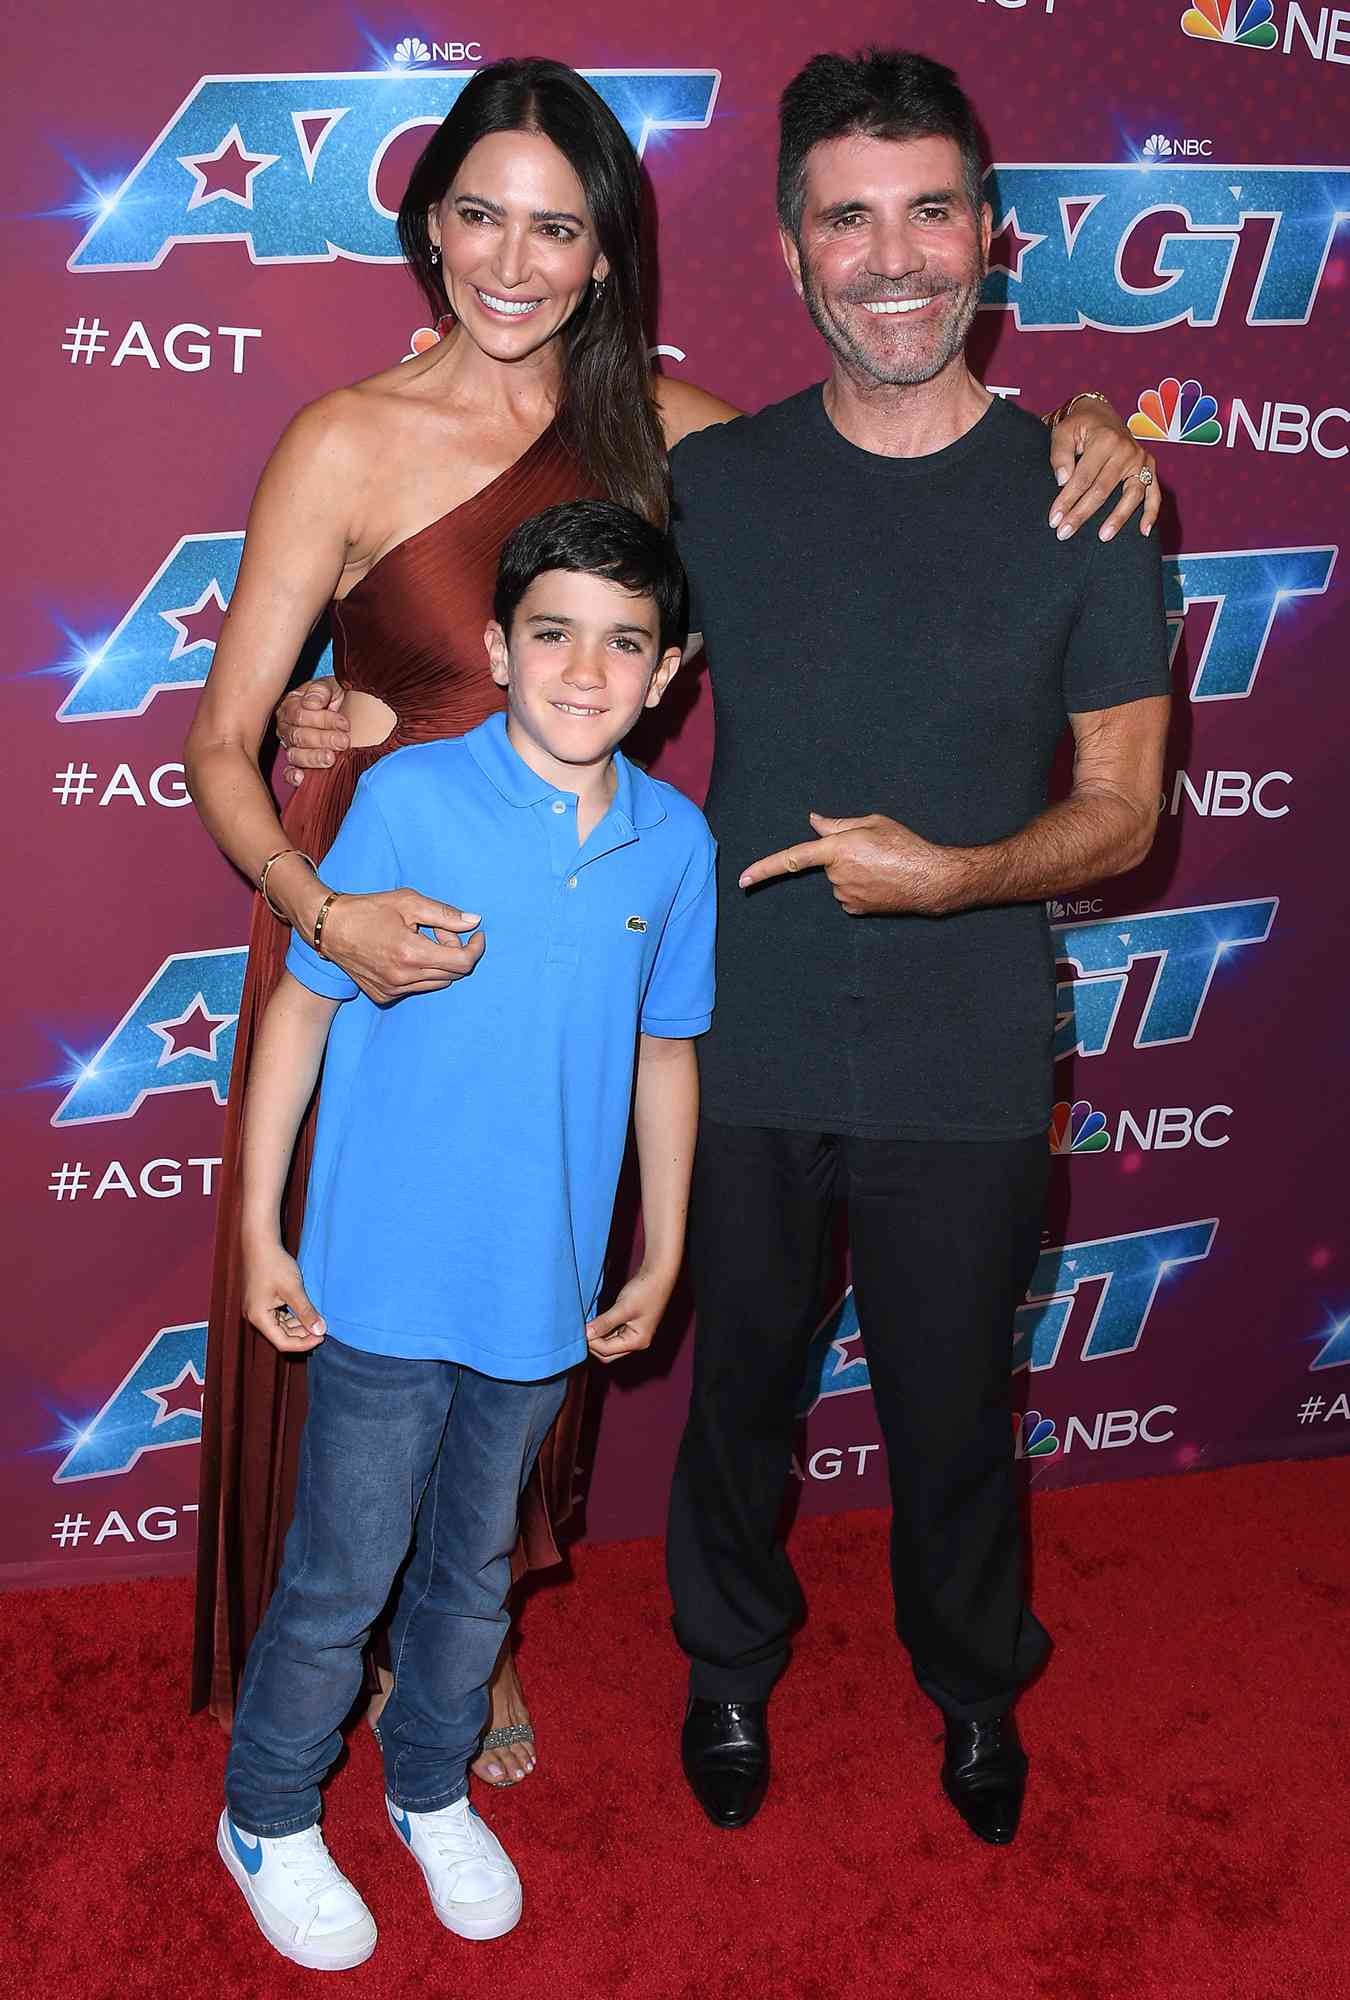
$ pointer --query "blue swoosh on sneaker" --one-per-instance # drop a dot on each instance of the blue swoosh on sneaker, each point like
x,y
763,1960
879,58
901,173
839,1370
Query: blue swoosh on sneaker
x,y
402,1824
252,1857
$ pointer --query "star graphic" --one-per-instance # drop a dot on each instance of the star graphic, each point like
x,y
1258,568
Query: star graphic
x,y
1009,246
197,624
179,1398
227,174
191,1033
844,1361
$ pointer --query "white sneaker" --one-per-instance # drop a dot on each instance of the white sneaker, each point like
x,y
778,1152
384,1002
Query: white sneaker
x,y
301,1901
474,1889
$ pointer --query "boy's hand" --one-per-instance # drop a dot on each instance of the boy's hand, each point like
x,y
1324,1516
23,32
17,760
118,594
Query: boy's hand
x,y
275,1301
632,1320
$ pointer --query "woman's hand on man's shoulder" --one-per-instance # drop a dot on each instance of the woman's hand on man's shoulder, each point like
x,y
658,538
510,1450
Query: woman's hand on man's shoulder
x,y
684,408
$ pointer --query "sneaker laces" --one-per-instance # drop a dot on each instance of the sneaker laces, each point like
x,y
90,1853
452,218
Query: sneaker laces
x,y
454,1834
309,1864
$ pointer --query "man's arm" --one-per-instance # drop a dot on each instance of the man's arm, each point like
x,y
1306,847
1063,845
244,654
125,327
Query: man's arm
x,y
878,867
665,1121
281,1080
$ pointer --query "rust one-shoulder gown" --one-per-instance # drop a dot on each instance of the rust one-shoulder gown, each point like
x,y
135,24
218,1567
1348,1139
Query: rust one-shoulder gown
x,y
411,633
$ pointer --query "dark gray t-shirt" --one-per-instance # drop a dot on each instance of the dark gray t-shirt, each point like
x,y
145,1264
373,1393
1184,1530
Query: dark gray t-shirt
x,y
902,636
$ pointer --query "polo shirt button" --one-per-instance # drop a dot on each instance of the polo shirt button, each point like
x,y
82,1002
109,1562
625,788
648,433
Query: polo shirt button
x,y
571,881
560,805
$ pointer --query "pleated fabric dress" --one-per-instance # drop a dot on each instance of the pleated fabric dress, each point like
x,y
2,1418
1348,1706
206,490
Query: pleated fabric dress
x,y
410,633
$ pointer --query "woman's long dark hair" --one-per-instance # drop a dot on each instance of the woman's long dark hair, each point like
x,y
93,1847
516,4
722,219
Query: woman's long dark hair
x,y
606,411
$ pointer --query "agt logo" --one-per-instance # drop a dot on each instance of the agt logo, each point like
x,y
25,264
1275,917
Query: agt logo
x,y
168,637
1064,232
1324,32
1181,413
1105,1289
1125,1273
1077,1129
177,1034
156,1405
288,165
1183,948
1248,588
1037,1436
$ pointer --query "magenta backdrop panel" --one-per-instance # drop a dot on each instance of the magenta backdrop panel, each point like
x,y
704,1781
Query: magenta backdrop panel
x,y
199,240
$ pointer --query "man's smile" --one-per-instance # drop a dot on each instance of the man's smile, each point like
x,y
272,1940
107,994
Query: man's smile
x,y
897,305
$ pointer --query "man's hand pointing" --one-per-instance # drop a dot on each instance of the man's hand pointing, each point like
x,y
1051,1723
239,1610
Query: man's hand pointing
x,y
876,867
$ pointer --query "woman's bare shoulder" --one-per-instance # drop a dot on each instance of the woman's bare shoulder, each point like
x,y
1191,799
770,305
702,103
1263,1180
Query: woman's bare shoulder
x,y
347,432
683,408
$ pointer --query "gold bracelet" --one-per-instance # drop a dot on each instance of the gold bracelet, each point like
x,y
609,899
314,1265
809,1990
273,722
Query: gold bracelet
x,y
322,917
1083,395
266,870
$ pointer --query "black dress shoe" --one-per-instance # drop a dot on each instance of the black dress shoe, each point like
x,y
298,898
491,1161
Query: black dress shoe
x,y
725,1748
984,1774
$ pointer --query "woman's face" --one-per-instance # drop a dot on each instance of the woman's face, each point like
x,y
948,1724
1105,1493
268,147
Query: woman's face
x,y
518,246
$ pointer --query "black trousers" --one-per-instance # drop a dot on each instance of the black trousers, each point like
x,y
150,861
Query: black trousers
x,y
944,1238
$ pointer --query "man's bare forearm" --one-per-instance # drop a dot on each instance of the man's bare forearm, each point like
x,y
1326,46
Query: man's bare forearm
x,y
1094,834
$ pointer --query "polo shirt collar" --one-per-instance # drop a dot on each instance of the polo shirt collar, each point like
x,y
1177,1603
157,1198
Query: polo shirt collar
x,y
636,798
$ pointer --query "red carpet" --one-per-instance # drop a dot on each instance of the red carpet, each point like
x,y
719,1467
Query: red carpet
x,y
1185,1835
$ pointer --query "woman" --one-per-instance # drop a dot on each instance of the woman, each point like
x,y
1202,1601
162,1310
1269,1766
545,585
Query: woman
x,y
390,500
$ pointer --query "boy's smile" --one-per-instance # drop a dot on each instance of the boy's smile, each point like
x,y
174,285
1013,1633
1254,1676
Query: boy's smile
x,y
582,661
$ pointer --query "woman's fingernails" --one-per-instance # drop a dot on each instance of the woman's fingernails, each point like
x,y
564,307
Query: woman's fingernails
x,y
1064,532
1060,475
1056,518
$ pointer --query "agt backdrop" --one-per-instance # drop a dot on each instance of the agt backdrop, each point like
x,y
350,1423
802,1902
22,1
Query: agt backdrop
x,y
200,239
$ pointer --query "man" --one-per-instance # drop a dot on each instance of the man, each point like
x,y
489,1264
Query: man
x,y
896,644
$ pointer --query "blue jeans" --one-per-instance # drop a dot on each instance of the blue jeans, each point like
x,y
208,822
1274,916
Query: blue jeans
x,y
396,1455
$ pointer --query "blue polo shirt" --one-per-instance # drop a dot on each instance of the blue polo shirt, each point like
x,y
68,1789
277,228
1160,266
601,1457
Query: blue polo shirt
x,y
469,1141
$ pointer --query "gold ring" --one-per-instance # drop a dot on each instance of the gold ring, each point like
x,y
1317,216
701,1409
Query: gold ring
x,y
790,864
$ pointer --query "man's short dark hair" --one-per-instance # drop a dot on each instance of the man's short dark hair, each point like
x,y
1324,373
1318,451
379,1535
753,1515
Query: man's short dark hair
x,y
596,538
877,94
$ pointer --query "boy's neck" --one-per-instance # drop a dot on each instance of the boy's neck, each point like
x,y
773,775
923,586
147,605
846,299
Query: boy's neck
x,y
594,784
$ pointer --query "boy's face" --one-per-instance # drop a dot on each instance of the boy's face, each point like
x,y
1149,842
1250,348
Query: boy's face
x,y
583,660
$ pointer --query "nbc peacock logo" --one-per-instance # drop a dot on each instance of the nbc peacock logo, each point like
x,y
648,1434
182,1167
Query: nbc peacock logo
x,y
1036,1436
1077,1128
411,53
1247,23
1176,413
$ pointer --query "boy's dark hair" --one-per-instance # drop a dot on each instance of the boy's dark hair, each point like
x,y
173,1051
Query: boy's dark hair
x,y
596,538
878,94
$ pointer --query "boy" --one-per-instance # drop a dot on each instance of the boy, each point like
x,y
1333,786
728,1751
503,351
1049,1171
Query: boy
x,y
460,1199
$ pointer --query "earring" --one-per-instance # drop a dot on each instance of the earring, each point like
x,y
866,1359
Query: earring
x,y
599,285
435,254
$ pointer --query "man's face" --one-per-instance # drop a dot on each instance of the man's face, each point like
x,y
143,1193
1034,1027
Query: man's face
x,y
890,256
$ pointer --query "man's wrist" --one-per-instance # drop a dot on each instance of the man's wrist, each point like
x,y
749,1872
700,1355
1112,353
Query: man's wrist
x,y
955,883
